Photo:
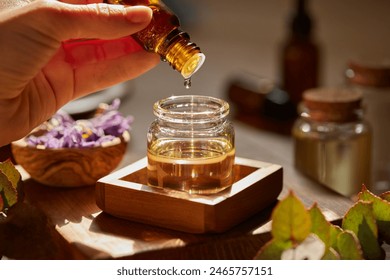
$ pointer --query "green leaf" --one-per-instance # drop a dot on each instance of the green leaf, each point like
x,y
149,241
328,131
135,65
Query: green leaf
x,y
385,196
333,235
319,225
360,219
8,193
312,248
11,172
331,254
349,247
290,220
10,185
273,250
381,209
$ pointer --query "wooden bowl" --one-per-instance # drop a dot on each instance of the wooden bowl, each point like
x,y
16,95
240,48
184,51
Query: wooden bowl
x,y
69,167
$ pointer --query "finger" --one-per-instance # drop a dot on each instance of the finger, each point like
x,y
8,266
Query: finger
x,y
81,1
110,72
65,21
69,83
83,52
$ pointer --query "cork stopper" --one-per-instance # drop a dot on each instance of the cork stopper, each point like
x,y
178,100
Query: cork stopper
x,y
332,104
373,75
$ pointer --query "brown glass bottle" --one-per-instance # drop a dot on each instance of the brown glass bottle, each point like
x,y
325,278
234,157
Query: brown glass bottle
x,y
164,37
300,56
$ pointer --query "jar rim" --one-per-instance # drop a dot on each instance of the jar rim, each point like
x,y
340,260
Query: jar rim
x,y
191,109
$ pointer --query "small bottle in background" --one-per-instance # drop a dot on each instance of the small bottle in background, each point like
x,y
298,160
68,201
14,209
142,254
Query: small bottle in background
x,y
332,141
373,80
300,55
259,102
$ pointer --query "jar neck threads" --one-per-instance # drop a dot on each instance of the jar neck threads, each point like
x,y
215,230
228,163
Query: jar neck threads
x,y
191,109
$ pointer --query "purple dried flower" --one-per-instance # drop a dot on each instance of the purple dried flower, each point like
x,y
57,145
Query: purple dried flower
x,y
64,132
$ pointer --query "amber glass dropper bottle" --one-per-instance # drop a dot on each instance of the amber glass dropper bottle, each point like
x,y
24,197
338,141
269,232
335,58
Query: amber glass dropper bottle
x,y
164,37
300,55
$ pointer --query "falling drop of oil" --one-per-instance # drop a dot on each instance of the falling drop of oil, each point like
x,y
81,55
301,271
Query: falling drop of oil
x,y
187,83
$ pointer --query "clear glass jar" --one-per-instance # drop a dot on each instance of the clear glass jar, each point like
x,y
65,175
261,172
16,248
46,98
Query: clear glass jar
x,y
373,80
191,145
332,141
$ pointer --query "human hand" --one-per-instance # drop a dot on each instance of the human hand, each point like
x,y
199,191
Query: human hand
x,y
41,70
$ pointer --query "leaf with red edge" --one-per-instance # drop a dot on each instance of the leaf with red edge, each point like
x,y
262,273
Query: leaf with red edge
x,y
361,221
11,172
290,226
9,194
10,185
349,247
290,220
273,250
381,209
334,233
385,196
320,226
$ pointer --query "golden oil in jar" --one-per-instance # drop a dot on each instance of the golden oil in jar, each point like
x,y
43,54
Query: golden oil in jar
x,y
201,166
340,164
333,141
191,145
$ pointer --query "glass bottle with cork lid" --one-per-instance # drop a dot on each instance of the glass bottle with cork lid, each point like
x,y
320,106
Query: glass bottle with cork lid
x,y
164,37
332,141
190,145
372,78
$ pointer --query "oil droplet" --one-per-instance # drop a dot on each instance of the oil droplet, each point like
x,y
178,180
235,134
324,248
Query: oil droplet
x,y
187,83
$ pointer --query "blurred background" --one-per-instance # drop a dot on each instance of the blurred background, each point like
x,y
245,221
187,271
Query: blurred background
x,y
248,35
245,39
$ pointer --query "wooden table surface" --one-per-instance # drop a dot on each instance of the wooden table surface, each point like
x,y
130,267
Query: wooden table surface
x,y
82,231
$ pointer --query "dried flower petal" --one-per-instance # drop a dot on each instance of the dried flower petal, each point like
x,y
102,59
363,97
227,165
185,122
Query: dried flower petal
x,y
64,132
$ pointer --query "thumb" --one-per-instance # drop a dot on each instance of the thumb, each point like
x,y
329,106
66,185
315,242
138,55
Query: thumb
x,y
99,20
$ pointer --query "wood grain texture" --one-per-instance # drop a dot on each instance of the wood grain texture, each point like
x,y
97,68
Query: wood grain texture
x,y
68,167
125,194
89,233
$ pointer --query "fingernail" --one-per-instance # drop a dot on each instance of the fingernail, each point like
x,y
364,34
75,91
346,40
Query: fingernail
x,y
138,14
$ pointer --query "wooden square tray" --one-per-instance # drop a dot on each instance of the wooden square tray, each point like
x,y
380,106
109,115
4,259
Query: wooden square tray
x,y
125,194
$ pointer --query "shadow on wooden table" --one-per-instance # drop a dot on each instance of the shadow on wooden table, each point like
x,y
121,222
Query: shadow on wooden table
x,y
62,205
88,233
159,243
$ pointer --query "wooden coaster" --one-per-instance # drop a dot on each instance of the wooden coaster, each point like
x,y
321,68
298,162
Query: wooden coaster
x,y
125,194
